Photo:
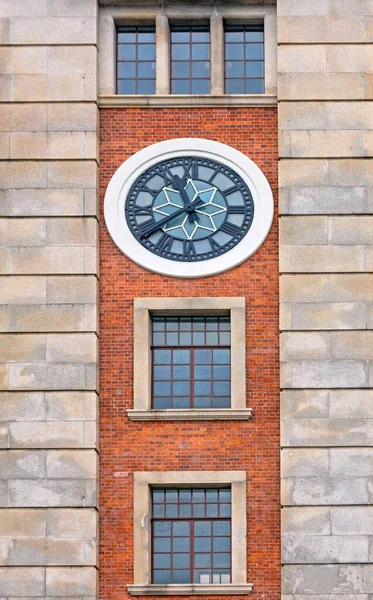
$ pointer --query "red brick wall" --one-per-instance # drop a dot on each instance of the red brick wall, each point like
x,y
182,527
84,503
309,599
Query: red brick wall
x,y
129,446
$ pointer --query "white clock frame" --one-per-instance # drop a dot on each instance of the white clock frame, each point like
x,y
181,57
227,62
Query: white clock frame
x,y
132,168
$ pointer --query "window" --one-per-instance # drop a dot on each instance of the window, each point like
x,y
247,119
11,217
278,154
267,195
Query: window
x,y
190,59
191,535
136,72
189,532
189,359
244,59
191,362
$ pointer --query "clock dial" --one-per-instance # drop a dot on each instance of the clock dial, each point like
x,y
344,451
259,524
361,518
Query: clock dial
x,y
189,209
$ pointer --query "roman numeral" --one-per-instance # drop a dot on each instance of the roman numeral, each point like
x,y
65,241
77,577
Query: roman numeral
x,y
230,190
230,229
164,243
236,210
167,175
189,249
143,211
214,245
147,227
216,171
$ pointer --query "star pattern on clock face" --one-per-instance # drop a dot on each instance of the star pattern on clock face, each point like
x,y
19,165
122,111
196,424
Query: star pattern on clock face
x,y
205,220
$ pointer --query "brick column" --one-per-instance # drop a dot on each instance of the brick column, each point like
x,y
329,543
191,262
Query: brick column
x,y
326,167
48,297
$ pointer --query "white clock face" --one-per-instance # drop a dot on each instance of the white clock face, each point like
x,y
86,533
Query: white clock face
x,y
188,207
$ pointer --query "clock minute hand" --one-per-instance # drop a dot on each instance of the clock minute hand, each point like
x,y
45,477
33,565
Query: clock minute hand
x,y
178,185
149,227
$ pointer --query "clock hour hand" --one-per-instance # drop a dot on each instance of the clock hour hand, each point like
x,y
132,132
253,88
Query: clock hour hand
x,y
178,185
149,227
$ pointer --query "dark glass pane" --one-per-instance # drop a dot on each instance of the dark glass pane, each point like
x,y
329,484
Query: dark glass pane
x,y
171,510
254,51
146,52
200,86
181,561
146,70
221,372
180,86
211,324
185,495
185,324
162,529
202,372
162,373
235,86
181,576
235,69
221,388
199,510
225,324
181,402
201,69
222,560
211,495
180,388
222,357
180,36
225,495
200,51
127,86
171,496
221,402
185,510
201,402
202,544
181,357
198,338
212,338
172,338
126,37
162,357
181,69
181,544
202,388
212,510
185,338
180,528
234,36
158,496
162,388
158,338
198,496
254,86
172,324
146,38
180,52
202,528
200,36
162,544
254,36
222,528
225,510
222,544
158,324
254,69
225,338
163,577
202,560
162,402
203,357
234,52
127,52
158,510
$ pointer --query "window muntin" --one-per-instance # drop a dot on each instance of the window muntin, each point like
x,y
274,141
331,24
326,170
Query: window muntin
x,y
191,362
136,60
190,59
244,59
191,535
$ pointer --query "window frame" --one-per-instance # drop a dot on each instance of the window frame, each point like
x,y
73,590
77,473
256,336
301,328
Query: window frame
x,y
110,17
143,484
143,309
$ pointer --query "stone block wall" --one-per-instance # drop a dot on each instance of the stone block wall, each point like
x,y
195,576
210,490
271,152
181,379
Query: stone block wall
x,y
48,298
326,288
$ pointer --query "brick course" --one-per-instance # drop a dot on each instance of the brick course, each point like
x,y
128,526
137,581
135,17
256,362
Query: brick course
x,y
129,446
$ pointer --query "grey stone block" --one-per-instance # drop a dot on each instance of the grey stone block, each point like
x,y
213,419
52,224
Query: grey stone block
x,y
72,406
352,345
51,492
45,261
72,290
327,288
351,462
71,582
299,345
326,200
354,520
22,348
325,549
303,404
22,523
38,551
21,581
327,432
23,290
22,406
70,464
69,348
322,259
327,491
303,230
46,435
328,579
53,317
21,464
351,404
53,30
332,374
33,376
36,202
338,315
305,521
305,462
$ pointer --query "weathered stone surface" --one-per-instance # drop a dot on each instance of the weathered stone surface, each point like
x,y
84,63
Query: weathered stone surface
x,y
51,260
324,7
72,406
324,579
354,520
322,315
303,230
306,521
322,259
46,435
22,523
323,491
21,464
321,172
350,230
351,404
305,462
35,202
303,404
71,290
320,29
22,406
52,145
23,290
327,432
70,464
325,116
328,373
72,232
351,345
53,30
46,376
71,582
22,348
62,523
351,462
325,549
322,86
53,317
327,288
45,551
302,59
16,581
51,492
51,87
299,345
78,347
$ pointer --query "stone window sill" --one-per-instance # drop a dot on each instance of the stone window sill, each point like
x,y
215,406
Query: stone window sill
x,y
178,414
196,589
175,101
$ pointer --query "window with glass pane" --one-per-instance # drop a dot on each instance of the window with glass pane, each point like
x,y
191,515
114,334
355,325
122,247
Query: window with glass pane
x,y
136,60
190,59
244,59
191,535
191,362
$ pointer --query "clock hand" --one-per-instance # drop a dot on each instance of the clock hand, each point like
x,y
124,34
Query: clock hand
x,y
149,227
178,185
